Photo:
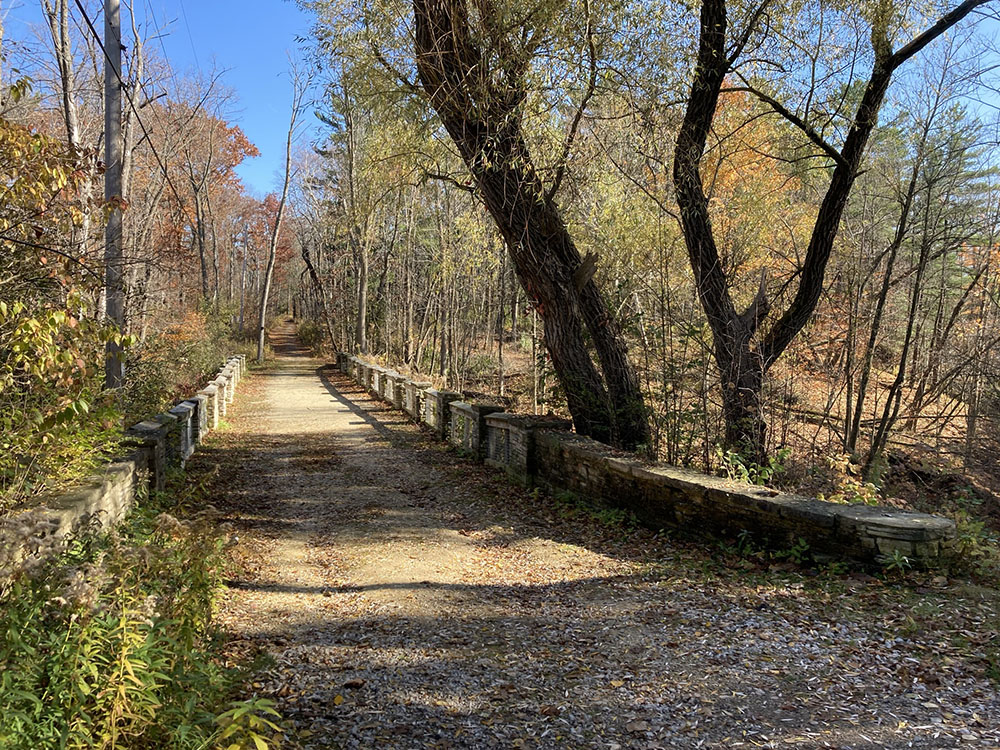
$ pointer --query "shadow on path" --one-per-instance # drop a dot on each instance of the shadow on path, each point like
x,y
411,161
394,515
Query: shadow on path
x,y
412,599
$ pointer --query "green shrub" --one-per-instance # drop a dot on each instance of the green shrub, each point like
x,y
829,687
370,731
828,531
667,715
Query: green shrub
x,y
738,469
176,362
311,335
110,643
56,423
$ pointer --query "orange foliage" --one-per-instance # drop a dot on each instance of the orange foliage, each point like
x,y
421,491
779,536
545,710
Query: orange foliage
x,y
755,199
191,328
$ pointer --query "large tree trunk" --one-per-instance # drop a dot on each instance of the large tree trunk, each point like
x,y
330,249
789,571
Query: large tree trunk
x,y
321,293
200,239
482,116
737,338
742,410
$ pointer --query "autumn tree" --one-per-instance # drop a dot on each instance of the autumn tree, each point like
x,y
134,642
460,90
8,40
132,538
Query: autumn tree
x,y
299,86
748,341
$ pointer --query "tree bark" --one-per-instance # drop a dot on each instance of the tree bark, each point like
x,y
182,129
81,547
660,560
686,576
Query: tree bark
x,y
482,113
743,353
276,230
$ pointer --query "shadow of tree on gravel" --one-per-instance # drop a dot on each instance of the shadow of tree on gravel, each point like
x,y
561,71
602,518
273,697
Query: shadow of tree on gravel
x,y
657,656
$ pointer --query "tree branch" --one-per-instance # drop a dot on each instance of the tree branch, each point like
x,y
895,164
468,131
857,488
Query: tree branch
x,y
944,23
450,180
793,118
575,125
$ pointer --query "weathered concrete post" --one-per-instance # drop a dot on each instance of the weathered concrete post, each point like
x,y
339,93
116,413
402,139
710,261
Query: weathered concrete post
x,y
185,414
199,423
468,426
510,442
413,398
212,412
222,383
151,436
436,410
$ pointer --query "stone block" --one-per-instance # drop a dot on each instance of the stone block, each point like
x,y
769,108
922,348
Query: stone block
x,y
212,411
510,443
151,437
185,414
468,426
377,384
234,367
392,384
413,398
171,428
102,500
199,421
436,414
229,373
222,384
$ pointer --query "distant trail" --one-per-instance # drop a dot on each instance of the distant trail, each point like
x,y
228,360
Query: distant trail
x,y
412,599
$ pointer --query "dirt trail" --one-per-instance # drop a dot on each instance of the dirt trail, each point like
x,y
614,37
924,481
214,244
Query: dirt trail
x,y
412,599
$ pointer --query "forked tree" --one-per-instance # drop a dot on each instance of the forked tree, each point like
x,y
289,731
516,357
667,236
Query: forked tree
x,y
748,342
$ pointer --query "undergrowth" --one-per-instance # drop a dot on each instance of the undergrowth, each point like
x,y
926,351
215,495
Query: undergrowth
x,y
57,422
570,505
311,335
175,362
109,641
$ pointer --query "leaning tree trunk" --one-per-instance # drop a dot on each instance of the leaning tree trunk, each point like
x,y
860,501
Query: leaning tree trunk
x,y
321,293
482,114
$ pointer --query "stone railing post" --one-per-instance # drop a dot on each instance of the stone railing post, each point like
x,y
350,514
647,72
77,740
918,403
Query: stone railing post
x,y
185,413
413,396
510,442
222,383
199,420
231,379
212,410
436,410
171,427
151,437
468,426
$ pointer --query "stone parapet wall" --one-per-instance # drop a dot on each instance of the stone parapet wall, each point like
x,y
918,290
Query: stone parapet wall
x,y
543,451
669,497
151,448
468,426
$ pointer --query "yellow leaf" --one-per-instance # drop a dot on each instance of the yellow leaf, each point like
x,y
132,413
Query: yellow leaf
x,y
338,699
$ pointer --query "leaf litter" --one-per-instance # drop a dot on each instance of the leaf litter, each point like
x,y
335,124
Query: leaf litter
x,y
408,598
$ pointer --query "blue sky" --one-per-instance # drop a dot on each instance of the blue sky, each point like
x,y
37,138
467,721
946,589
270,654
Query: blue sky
x,y
250,39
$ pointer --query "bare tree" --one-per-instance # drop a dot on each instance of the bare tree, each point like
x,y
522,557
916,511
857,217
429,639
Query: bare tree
x,y
743,351
299,85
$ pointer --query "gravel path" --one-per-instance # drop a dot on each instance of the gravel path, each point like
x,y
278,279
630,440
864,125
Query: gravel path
x,y
412,599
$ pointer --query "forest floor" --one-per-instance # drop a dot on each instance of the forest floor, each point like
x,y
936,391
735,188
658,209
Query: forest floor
x,y
409,598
